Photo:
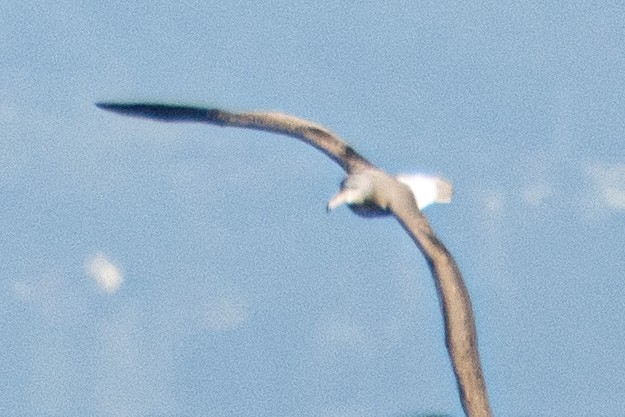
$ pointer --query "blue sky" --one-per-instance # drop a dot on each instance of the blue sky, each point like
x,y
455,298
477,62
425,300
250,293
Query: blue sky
x,y
154,269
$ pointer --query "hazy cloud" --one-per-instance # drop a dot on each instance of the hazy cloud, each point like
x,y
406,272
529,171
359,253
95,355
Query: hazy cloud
x,y
536,193
107,275
133,368
342,333
226,313
338,334
608,186
494,201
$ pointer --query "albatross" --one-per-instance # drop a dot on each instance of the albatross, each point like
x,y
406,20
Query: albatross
x,y
369,191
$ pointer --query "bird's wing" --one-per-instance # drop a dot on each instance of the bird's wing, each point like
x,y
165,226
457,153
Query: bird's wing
x,y
460,331
314,134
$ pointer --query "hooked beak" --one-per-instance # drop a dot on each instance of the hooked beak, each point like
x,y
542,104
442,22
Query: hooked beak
x,y
339,199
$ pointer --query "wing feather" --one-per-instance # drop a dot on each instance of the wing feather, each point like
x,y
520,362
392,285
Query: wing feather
x,y
460,331
316,135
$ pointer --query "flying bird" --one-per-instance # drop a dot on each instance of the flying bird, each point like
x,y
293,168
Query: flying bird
x,y
369,191
360,190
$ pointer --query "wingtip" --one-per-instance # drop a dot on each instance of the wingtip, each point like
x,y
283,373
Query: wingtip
x,y
102,105
162,112
114,107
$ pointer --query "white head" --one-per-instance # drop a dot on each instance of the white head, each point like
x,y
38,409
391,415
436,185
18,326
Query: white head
x,y
358,192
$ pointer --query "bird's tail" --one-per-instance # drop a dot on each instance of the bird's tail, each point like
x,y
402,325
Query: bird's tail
x,y
427,189
444,190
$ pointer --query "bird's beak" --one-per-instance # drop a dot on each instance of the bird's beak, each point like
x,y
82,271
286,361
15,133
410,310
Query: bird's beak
x,y
339,199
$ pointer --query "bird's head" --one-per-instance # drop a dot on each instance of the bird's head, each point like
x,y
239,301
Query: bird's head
x,y
360,192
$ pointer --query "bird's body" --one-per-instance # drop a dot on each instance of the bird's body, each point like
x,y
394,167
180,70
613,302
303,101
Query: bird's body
x,y
366,195
369,191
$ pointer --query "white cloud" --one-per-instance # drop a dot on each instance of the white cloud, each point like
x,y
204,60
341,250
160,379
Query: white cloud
x,y
107,275
615,197
608,183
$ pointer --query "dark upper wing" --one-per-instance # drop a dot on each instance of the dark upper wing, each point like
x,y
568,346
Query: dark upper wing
x,y
316,135
460,332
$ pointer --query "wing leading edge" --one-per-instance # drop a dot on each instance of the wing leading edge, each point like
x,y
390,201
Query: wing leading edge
x,y
304,130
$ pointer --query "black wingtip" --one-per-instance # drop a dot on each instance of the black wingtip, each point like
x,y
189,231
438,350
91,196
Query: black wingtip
x,y
163,112
104,105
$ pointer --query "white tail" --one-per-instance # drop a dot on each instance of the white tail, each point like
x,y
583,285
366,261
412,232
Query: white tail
x,y
426,189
